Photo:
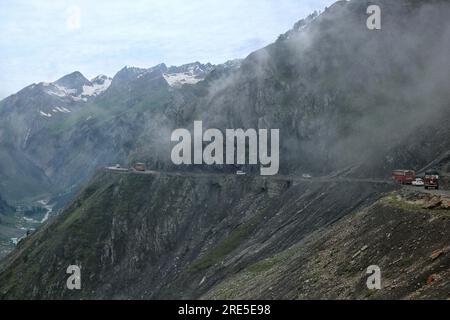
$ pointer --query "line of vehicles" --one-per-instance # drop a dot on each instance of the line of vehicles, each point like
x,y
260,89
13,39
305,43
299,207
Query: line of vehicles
x,y
138,166
430,180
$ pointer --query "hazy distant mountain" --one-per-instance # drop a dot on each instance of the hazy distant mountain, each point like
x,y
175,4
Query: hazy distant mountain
x,y
36,108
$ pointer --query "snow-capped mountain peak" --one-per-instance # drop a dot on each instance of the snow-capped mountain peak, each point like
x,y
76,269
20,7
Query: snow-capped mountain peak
x,y
76,87
73,83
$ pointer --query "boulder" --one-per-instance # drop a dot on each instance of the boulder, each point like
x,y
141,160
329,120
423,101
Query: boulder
x,y
445,204
433,203
438,253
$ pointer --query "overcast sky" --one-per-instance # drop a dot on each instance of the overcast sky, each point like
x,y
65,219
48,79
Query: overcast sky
x,y
42,40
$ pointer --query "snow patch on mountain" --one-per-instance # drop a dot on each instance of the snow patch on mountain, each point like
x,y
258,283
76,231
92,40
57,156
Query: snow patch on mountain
x,y
99,85
61,109
178,79
47,115
58,91
191,73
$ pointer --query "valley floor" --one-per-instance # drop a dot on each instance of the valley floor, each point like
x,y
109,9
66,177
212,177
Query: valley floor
x,y
14,228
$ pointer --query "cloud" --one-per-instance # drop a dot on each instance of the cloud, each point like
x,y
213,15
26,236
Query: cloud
x,y
42,40
74,18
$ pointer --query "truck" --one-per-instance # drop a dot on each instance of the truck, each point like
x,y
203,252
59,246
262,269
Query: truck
x,y
431,180
139,166
404,176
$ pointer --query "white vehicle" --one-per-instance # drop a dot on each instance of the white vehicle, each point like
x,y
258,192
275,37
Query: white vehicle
x,y
418,182
117,168
240,173
306,176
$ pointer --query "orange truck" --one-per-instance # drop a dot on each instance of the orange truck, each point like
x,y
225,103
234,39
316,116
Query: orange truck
x,y
404,176
139,166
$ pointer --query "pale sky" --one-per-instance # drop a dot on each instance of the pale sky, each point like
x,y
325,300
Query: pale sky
x,y
42,40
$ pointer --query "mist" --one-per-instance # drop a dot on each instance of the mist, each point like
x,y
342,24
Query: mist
x,y
343,96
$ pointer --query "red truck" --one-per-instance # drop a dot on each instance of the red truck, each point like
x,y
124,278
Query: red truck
x,y
431,180
404,176
139,167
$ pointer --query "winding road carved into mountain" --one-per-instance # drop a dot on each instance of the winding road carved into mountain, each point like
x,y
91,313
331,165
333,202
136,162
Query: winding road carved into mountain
x,y
288,178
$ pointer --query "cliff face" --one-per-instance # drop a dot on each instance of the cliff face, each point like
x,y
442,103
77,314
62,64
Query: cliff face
x,y
172,236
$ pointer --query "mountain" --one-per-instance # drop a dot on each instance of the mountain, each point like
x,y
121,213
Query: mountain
x,y
325,96
73,83
78,87
60,132
351,105
25,114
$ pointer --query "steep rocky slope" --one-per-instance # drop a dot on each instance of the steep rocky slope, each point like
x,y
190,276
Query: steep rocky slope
x,y
163,235
411,245
172,235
